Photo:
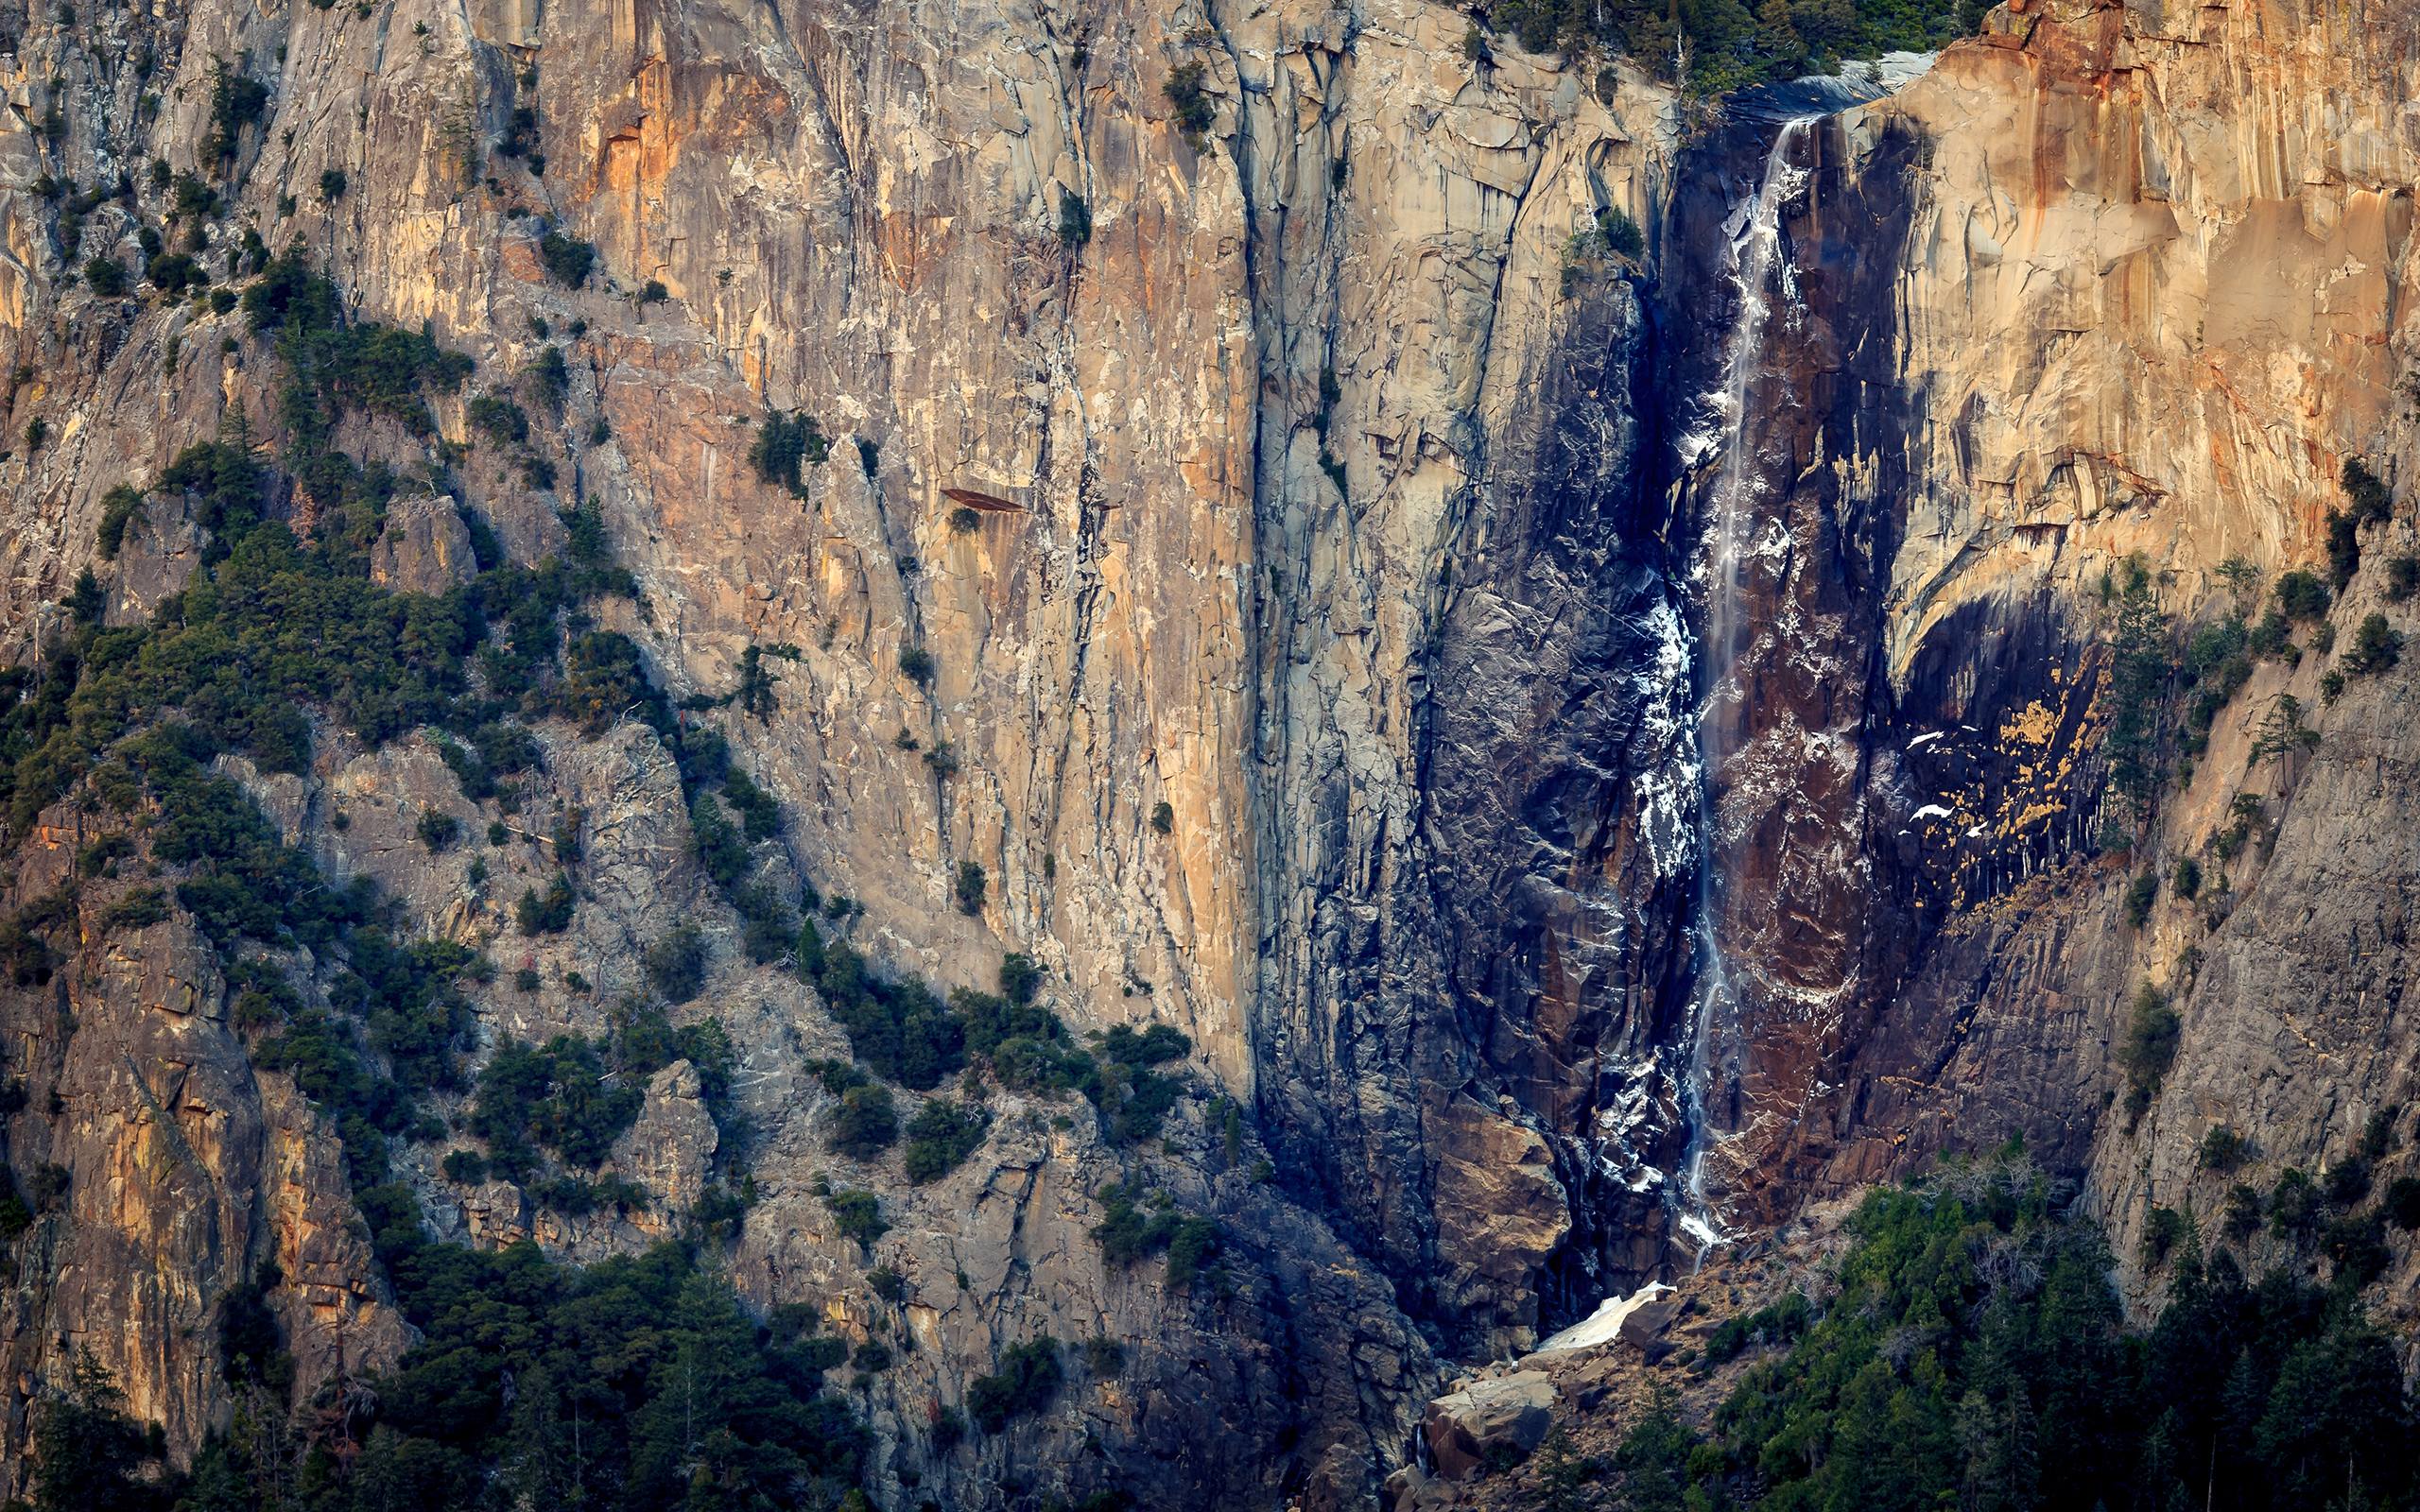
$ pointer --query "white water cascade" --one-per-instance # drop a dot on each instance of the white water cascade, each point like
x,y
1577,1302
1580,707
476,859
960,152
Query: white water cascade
x,y
1721,436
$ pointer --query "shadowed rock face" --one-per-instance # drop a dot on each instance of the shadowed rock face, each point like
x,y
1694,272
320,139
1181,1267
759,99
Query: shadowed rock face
x,y
1328,495
1797,916
2113,340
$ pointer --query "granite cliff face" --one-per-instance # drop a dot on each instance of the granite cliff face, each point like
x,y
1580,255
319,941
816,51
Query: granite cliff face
x,y
2141,307
1300,512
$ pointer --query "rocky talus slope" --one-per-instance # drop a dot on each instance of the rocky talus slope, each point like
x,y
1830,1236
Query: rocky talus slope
x,y
1257,534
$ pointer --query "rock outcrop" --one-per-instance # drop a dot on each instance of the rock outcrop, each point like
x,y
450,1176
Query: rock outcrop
x,y
1490,1423
1256,533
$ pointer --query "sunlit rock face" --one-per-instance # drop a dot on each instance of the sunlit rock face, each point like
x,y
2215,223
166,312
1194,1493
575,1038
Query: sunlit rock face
x,y
1306,519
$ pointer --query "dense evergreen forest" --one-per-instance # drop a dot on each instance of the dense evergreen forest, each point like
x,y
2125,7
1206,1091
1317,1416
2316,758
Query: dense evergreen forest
x,y
1714,46
1976,1355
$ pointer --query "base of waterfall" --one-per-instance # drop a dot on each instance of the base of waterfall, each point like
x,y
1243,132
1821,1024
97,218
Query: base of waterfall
x,y
1704,1233
1604,1325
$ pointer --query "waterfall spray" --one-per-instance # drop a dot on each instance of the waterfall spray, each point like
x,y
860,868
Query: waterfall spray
x,y
1760,273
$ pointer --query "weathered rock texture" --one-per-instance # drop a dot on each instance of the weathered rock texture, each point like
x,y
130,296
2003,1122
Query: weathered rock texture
x,y
1328,497
2149,287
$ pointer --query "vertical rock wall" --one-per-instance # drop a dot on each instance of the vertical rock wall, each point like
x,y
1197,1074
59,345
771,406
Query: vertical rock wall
x,y
1323,494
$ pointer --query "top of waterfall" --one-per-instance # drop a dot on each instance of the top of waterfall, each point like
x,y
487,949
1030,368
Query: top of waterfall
x,y
1857,82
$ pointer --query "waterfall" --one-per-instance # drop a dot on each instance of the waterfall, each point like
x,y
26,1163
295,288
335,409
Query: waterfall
x,y
1721,434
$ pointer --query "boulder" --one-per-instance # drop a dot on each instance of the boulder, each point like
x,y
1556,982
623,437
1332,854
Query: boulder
x,y
425,547
1647,1325
1488,1423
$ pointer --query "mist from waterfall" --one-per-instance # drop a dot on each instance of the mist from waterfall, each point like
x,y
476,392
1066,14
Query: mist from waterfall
x,y
1723,437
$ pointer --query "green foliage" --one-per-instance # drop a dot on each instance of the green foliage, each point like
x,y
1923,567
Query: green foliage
x,y
1020,979
500,420
2163,1229
270,628
1026,1381
2139,680
2148,1048
555,1095
900,1029
866,1124
2281,731
438,830
548,913
1778,1323
106,276
86,604
909,1036
1730,44
760,816
2223,1150
2301,596
1129,1233
2344,548
142,907
2370,496
785,445
941,1136
916,664
567,258
968,887
193,198
676,963
2373,502
1653,1460
2140,896
548,375
641,1377
235,102
2218,662
2377,646
1187,89
1621,234
856,1214
754,695
118,508
1977,1355
2244,1212
644,1041
2293,1204
2402,577
1567,1480
1193,1251
2401,1204
335,367
1075,220
88,1455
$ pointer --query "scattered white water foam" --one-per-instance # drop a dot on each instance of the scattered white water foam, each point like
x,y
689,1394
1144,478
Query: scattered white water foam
x,y
1722,437
1606,1324
1704,1232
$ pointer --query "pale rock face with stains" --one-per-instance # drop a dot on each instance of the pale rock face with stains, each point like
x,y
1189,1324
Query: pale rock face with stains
x,y
1322,496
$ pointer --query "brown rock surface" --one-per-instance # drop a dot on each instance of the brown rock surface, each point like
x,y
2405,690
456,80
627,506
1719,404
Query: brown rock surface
x,y
1344,526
